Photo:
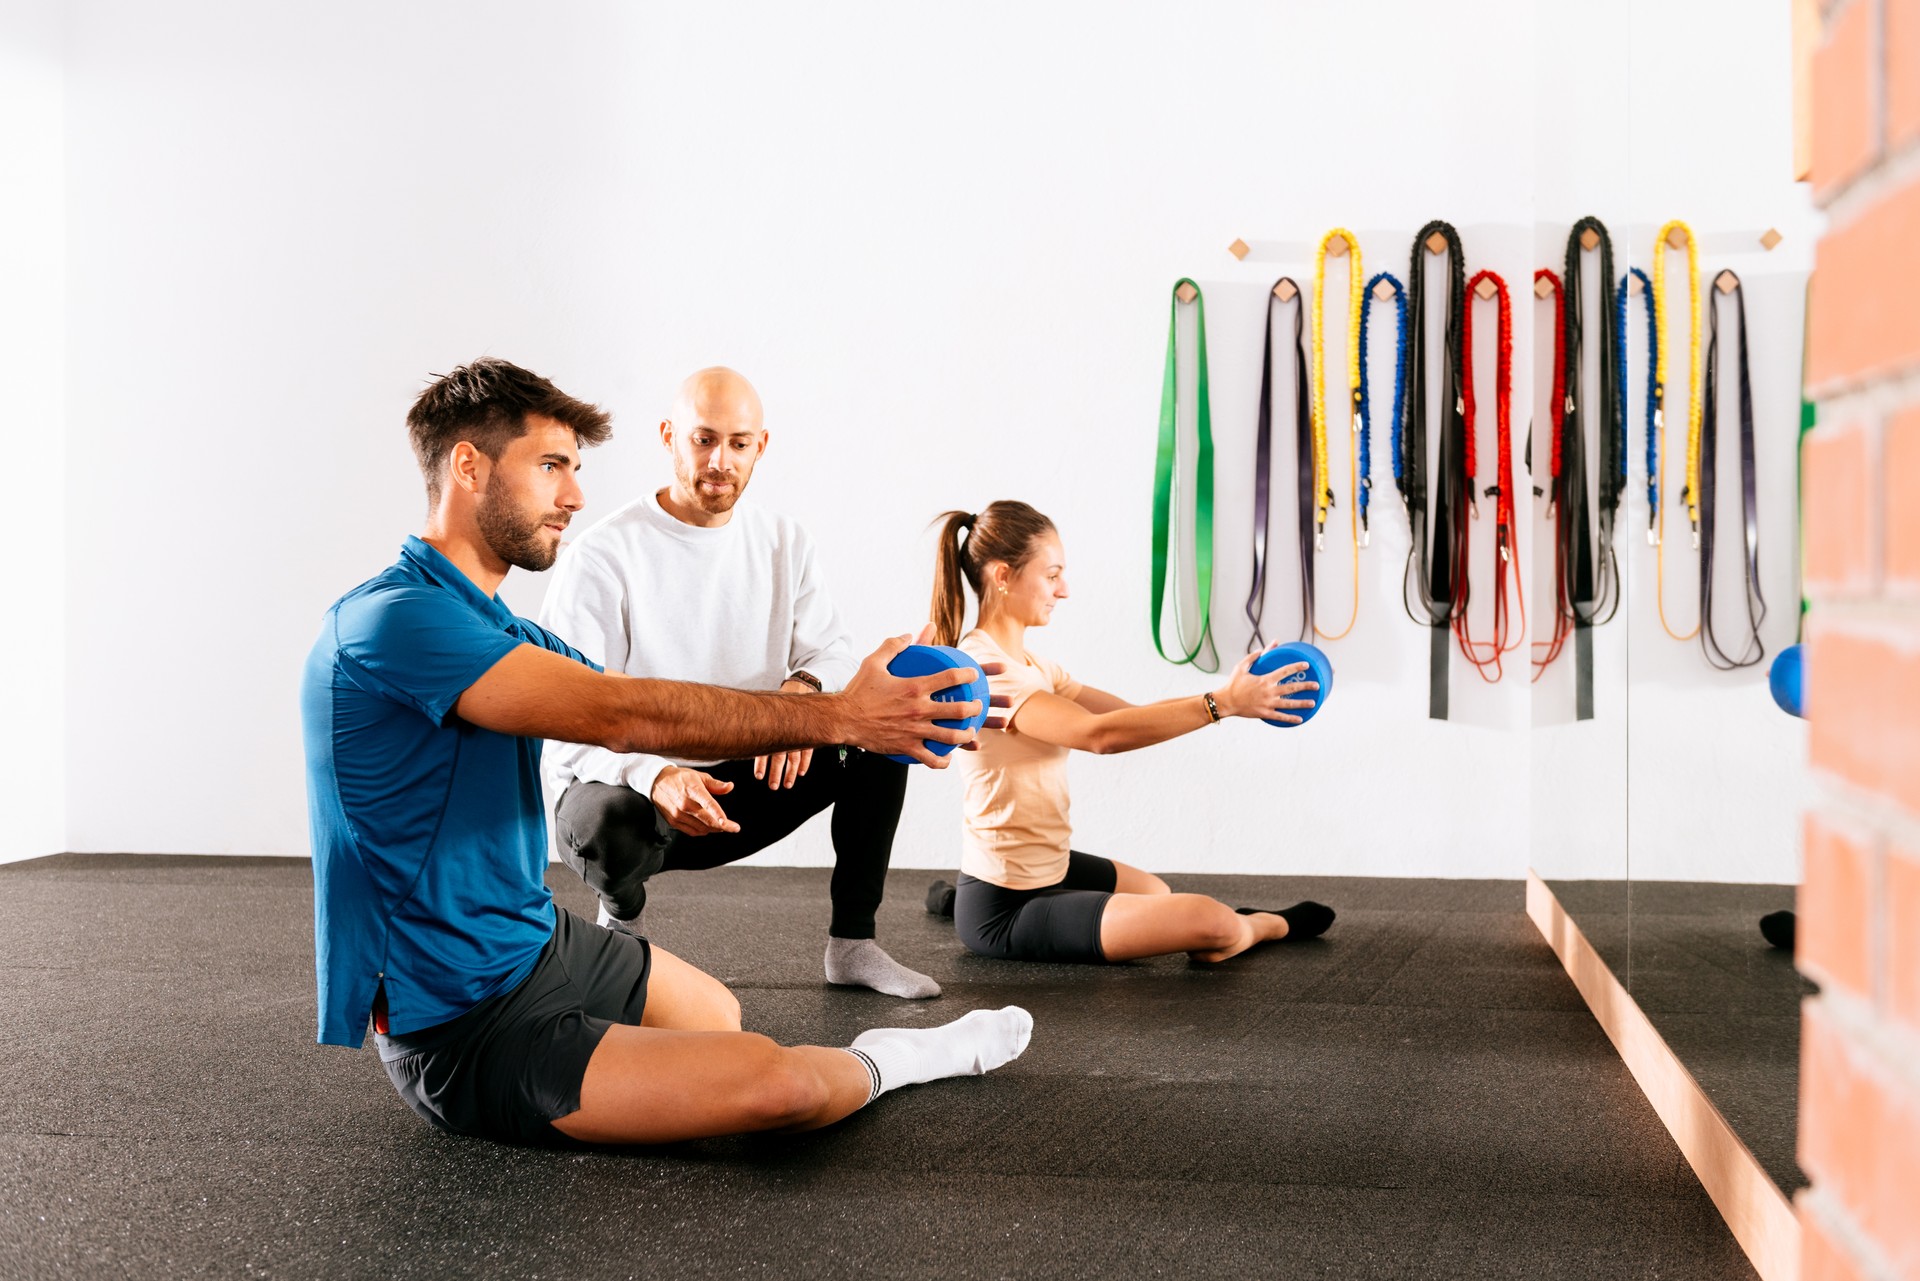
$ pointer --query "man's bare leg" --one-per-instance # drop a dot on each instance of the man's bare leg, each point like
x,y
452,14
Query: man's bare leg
x,y
654,1085
688,1072
684,998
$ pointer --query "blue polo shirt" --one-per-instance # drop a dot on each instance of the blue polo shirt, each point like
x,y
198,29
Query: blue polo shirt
x,y
429,841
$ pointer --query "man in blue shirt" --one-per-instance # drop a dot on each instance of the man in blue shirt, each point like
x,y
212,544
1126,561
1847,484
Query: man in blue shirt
x,y
424,702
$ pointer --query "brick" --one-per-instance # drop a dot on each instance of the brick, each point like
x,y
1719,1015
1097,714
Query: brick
x,y
1821,1257
1863,321
1860,1136
1903,71
1844,141
1834,945
1840,1133
1901,977
1900,472
1839,512
1863,704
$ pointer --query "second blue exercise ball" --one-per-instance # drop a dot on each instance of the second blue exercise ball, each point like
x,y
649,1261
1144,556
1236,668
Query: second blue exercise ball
x,y
1787,679
925,660
1319,668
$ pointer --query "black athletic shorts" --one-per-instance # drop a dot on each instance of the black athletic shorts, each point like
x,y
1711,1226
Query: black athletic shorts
x,y
510,1065
1059,922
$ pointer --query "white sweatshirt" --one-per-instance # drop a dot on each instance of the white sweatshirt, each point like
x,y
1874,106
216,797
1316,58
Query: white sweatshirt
x,y
740,605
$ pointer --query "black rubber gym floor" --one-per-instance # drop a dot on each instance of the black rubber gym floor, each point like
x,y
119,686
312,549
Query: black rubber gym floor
x,y
1421,1094
1724,999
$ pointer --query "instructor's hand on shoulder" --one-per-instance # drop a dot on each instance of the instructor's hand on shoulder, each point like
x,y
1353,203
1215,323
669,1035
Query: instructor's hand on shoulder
x,y
684,798
1268,697
895,715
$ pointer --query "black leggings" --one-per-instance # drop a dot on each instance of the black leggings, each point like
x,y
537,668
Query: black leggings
x,y
1058,922
615,838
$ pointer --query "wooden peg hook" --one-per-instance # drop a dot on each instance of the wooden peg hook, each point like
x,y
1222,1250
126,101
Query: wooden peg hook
x,y
1239,249
1543,288
1337,247
1436,243
1770,238
1486,289
1383,291
1634,286
1726,282
1589,238
1285,290
1186,292
1677,238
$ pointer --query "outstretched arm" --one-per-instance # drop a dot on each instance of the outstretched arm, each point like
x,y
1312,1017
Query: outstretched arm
x,y
1122,728
1098,700
535,693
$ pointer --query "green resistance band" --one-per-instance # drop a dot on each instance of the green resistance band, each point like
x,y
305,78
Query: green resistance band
x,y
1165,474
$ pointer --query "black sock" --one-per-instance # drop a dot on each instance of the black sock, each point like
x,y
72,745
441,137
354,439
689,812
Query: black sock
x,y
1305,920
940,898
1778,927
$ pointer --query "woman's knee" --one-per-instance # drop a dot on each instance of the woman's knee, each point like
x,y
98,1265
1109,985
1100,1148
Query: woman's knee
x,y
1215,925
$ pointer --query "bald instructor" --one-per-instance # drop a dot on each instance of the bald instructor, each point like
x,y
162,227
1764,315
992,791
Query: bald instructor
x,y
424,703
692,583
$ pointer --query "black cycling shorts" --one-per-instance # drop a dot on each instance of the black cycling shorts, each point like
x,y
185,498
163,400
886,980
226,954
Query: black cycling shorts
x,y
1059,922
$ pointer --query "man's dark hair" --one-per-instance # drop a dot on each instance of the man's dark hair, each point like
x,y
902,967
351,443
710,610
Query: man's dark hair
x,y
486,403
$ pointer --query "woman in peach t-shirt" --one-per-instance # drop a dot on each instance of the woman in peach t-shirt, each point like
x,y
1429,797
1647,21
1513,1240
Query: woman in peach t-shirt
x,y
1024,893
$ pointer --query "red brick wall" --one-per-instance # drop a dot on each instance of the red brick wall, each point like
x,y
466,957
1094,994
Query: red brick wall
x,y
1860,903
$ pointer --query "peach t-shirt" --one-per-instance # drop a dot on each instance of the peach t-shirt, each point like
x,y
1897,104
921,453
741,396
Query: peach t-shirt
x,y
1015,830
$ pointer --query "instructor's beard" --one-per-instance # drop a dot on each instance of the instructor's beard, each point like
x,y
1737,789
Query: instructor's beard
x,y
518,539
712,504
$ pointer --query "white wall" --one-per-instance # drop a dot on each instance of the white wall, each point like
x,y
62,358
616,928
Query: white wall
x,y
1582,167
941,249
32,353
1679,109
1718,773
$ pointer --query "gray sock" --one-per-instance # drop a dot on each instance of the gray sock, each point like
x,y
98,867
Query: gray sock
x,y
864,963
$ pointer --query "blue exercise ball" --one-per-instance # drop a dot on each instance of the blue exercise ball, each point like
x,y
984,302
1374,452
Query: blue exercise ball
x,y
1319,668
1787,678
925,660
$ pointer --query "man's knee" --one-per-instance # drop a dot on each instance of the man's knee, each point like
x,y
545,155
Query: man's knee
x,y
784,1092
611,836
719,1006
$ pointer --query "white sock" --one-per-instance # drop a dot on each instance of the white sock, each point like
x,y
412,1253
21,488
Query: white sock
x,y
969,1046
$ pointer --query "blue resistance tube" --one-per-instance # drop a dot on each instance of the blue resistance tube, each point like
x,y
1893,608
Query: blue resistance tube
x,y
925,660
1319,668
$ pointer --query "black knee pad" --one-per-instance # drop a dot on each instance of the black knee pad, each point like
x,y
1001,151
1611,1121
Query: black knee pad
x,y
614,838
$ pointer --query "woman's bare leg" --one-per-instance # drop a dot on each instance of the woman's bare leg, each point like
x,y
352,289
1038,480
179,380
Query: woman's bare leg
x,y
1131,880
1140,925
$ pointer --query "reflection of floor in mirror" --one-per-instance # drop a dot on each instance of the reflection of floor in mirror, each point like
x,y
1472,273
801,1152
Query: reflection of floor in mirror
x,y
1725,1000
1421,1094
